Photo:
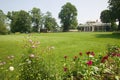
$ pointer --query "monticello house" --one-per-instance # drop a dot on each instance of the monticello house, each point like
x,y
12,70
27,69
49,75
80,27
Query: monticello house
x,y
92,26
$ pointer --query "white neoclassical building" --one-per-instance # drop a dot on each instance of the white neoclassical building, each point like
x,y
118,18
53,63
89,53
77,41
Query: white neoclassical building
x,y
92,26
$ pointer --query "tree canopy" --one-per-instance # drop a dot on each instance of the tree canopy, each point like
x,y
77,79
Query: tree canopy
x,y
20,21
49,22
3,17
105,16
68,16
36,18
114,6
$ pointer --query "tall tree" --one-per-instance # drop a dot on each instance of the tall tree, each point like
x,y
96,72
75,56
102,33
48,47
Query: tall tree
x,y
114,6
49,22
20,21
36,18
107,17
68,16
3,17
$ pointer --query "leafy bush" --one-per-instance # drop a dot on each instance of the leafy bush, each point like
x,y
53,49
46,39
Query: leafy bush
x,y
3,29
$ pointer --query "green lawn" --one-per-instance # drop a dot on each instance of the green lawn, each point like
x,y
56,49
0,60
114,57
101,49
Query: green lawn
x,y
66,44
70,43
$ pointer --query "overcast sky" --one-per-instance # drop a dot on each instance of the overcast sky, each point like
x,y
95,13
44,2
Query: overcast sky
x,y
87,9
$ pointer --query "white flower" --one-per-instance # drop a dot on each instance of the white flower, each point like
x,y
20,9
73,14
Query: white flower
x,y
30,40
33,46
32,55
11,68
91,56
12,56
52,47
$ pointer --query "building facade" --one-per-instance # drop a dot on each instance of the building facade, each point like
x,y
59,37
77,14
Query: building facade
x,y
92,26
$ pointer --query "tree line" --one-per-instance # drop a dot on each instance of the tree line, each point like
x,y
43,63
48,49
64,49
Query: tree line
x,y
31,21
34,20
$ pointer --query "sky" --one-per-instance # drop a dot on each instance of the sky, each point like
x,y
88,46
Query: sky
x,y
88,10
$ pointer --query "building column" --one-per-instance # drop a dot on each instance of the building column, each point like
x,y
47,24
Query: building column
x,y
84,29
93,28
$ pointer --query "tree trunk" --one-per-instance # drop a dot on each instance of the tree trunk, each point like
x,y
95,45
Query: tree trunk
x,y
119,25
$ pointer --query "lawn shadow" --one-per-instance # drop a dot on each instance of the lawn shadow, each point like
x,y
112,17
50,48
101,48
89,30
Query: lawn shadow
x,y
116,36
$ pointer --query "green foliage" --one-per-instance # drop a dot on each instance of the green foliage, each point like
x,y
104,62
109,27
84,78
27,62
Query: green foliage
x,y
3,29
36,18
114,6
32,66
113,49
49,22
20,21
68,16
105,16
114,26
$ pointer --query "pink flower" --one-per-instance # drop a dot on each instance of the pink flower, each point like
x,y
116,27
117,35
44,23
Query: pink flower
x,y
89,63
118,55
114,54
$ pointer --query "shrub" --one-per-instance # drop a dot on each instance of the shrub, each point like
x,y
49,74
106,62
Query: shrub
x,y
3,29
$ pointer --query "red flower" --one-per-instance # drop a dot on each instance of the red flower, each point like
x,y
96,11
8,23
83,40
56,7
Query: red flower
x,y
65,69
80,53
92,53
89,63
65,57
88,52
104,58
75,57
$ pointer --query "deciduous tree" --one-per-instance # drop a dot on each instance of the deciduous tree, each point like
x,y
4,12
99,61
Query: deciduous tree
x,y
20,21
36,19
114,6
49,22
68,16
3,29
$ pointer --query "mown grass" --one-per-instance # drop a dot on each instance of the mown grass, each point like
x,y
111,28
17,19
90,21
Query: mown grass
x,y
70,43
66,44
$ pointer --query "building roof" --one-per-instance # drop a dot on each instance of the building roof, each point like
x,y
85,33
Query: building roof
x,y
87,24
